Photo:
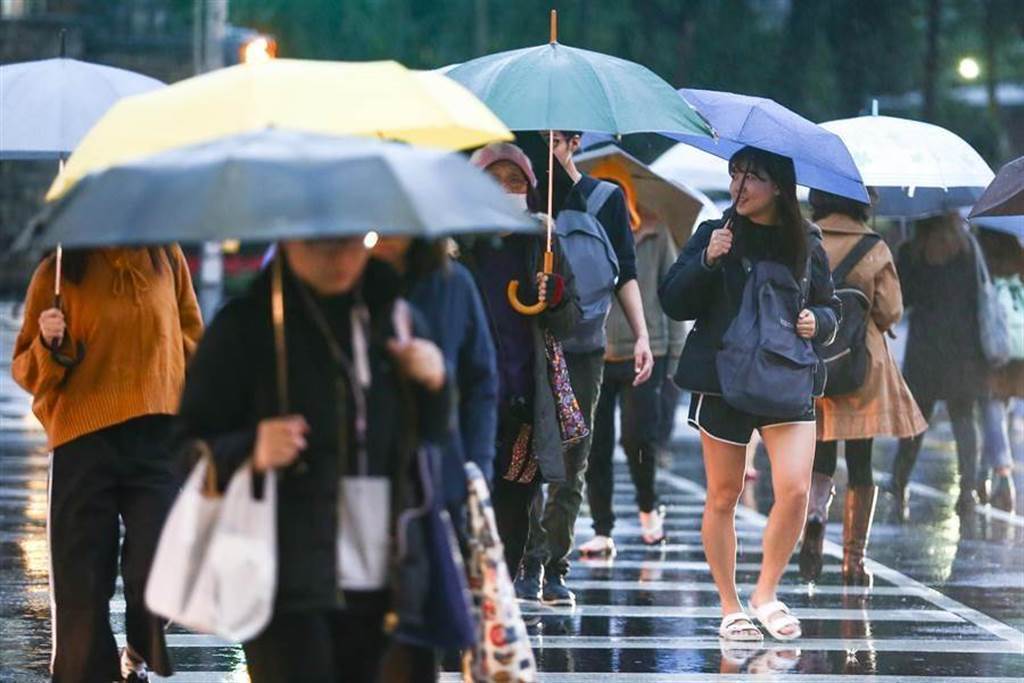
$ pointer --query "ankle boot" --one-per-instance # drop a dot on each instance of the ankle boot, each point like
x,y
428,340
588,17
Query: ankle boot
x,y
820,498
857,517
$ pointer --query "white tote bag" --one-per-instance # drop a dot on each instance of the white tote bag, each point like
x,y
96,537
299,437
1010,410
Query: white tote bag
x,y
215,568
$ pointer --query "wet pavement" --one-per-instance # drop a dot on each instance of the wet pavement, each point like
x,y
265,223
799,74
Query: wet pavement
x,y
947,605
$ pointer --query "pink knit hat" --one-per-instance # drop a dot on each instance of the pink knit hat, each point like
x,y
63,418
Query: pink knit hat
x,y
504,151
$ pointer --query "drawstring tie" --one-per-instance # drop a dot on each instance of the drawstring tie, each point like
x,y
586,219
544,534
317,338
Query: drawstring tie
x,y
125,275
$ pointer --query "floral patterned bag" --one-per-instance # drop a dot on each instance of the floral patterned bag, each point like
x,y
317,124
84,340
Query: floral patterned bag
x,y
570,417
502,652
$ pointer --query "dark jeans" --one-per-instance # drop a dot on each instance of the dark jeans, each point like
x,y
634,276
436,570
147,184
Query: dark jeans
x,y
122,473
338,645
858,460
552,523
965,431
640,420
511,501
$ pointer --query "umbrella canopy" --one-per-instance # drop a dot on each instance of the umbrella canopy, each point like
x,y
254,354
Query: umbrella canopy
x,y
557,87
675,205
376,99
48,106
1011,225
278,184
919,169
1005,195
686,164
820,157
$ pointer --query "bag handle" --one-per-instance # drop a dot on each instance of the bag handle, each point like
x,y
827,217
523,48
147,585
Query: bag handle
x,y
859,251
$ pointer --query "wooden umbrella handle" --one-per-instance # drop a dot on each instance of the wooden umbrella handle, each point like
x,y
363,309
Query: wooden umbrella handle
x,y
513,291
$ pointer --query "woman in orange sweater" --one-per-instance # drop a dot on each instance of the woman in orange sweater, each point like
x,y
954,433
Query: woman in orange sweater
x,y
134,315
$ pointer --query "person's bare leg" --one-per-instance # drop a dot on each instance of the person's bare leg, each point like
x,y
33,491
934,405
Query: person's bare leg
x,y
791,453
724,464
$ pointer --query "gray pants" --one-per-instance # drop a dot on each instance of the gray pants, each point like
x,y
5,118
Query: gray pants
x,y
552,522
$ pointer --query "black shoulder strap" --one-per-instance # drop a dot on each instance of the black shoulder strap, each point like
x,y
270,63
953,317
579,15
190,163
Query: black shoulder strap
x,y
859,251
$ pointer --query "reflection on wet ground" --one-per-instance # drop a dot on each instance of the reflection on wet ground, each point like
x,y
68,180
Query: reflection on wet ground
x,y
947,605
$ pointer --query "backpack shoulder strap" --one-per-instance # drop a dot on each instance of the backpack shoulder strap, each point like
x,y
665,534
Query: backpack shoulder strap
x,y
859,251
598,196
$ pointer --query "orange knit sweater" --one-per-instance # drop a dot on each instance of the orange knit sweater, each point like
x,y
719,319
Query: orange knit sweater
x,y
139,327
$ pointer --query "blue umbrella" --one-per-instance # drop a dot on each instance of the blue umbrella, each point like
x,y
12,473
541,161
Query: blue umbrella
x,y
1010,225
48,106
820,157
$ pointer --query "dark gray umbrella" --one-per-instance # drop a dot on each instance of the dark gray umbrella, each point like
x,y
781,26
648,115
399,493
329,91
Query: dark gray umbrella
x,y
1004,196
278,184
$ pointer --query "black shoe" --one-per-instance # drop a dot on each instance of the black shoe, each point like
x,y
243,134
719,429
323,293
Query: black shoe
x,y
900,503
527,585
556,593
966,503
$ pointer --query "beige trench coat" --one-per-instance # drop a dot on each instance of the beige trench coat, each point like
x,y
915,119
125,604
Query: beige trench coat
x,y
883,406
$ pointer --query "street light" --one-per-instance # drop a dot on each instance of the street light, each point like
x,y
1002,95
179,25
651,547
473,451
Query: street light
x,y
258,50
969,68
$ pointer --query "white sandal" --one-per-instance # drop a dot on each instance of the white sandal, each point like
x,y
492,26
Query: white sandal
x,y
733,629
775,616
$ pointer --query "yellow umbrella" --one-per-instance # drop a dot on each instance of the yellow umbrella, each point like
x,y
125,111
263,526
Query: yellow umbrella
x,y
377,99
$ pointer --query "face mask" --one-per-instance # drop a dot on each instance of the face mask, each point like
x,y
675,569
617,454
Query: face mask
x,y
519,200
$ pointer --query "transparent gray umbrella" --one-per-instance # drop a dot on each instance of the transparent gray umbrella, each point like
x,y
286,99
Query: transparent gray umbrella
x,y
278,184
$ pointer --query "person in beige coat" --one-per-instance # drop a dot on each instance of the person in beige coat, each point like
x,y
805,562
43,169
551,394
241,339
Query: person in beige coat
x,y
882,406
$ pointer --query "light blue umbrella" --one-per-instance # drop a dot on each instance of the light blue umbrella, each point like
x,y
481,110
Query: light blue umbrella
x,y
47,106
274,185
820,158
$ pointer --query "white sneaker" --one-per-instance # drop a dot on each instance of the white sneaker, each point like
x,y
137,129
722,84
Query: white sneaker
x,y
598,546
652,526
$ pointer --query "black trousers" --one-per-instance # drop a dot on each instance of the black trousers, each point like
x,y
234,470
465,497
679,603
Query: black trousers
x,y
640,423
123,473
511,502
965,432
858,460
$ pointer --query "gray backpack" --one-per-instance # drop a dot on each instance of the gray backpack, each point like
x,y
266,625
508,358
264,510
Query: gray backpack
x,y
594,267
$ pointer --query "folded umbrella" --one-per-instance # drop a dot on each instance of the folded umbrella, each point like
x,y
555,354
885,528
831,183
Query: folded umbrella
x,y
919,169
374,99
273,185
1005,195
820,158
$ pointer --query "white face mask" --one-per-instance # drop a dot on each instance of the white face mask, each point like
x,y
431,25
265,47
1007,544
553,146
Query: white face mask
x,y
519,200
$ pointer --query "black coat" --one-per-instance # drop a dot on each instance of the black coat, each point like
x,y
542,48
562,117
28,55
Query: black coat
x,y
231,386
711,297
943,357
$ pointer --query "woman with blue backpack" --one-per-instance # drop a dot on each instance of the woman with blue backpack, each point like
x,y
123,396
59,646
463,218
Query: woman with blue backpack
x,y
866,396
758,286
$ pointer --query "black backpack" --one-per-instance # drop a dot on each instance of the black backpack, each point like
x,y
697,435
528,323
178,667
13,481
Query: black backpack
x,y
847,356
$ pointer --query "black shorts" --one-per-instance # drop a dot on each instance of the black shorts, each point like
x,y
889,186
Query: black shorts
x,y
716,418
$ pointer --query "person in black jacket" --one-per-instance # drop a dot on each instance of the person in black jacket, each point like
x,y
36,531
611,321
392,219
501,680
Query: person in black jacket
x,y
363,391
706,285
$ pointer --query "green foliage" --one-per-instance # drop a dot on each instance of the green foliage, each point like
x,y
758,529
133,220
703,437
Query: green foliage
x,y
824,58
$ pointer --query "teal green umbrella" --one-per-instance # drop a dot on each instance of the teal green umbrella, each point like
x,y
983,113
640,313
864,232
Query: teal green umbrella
x,y
557,87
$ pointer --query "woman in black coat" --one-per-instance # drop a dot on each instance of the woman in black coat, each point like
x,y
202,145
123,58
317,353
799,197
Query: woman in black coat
x,y
347,399
944,360
706,285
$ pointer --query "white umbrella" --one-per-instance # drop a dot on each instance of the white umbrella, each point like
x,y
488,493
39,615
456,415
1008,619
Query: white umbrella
x,y
919,168
693,167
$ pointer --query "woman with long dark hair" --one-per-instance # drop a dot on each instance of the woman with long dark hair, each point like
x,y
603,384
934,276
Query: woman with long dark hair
x,y
944,359
105,371
881,406
706,285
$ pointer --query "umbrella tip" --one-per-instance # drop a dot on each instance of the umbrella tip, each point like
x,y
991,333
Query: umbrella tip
x,y
63,43
554,26
874,107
